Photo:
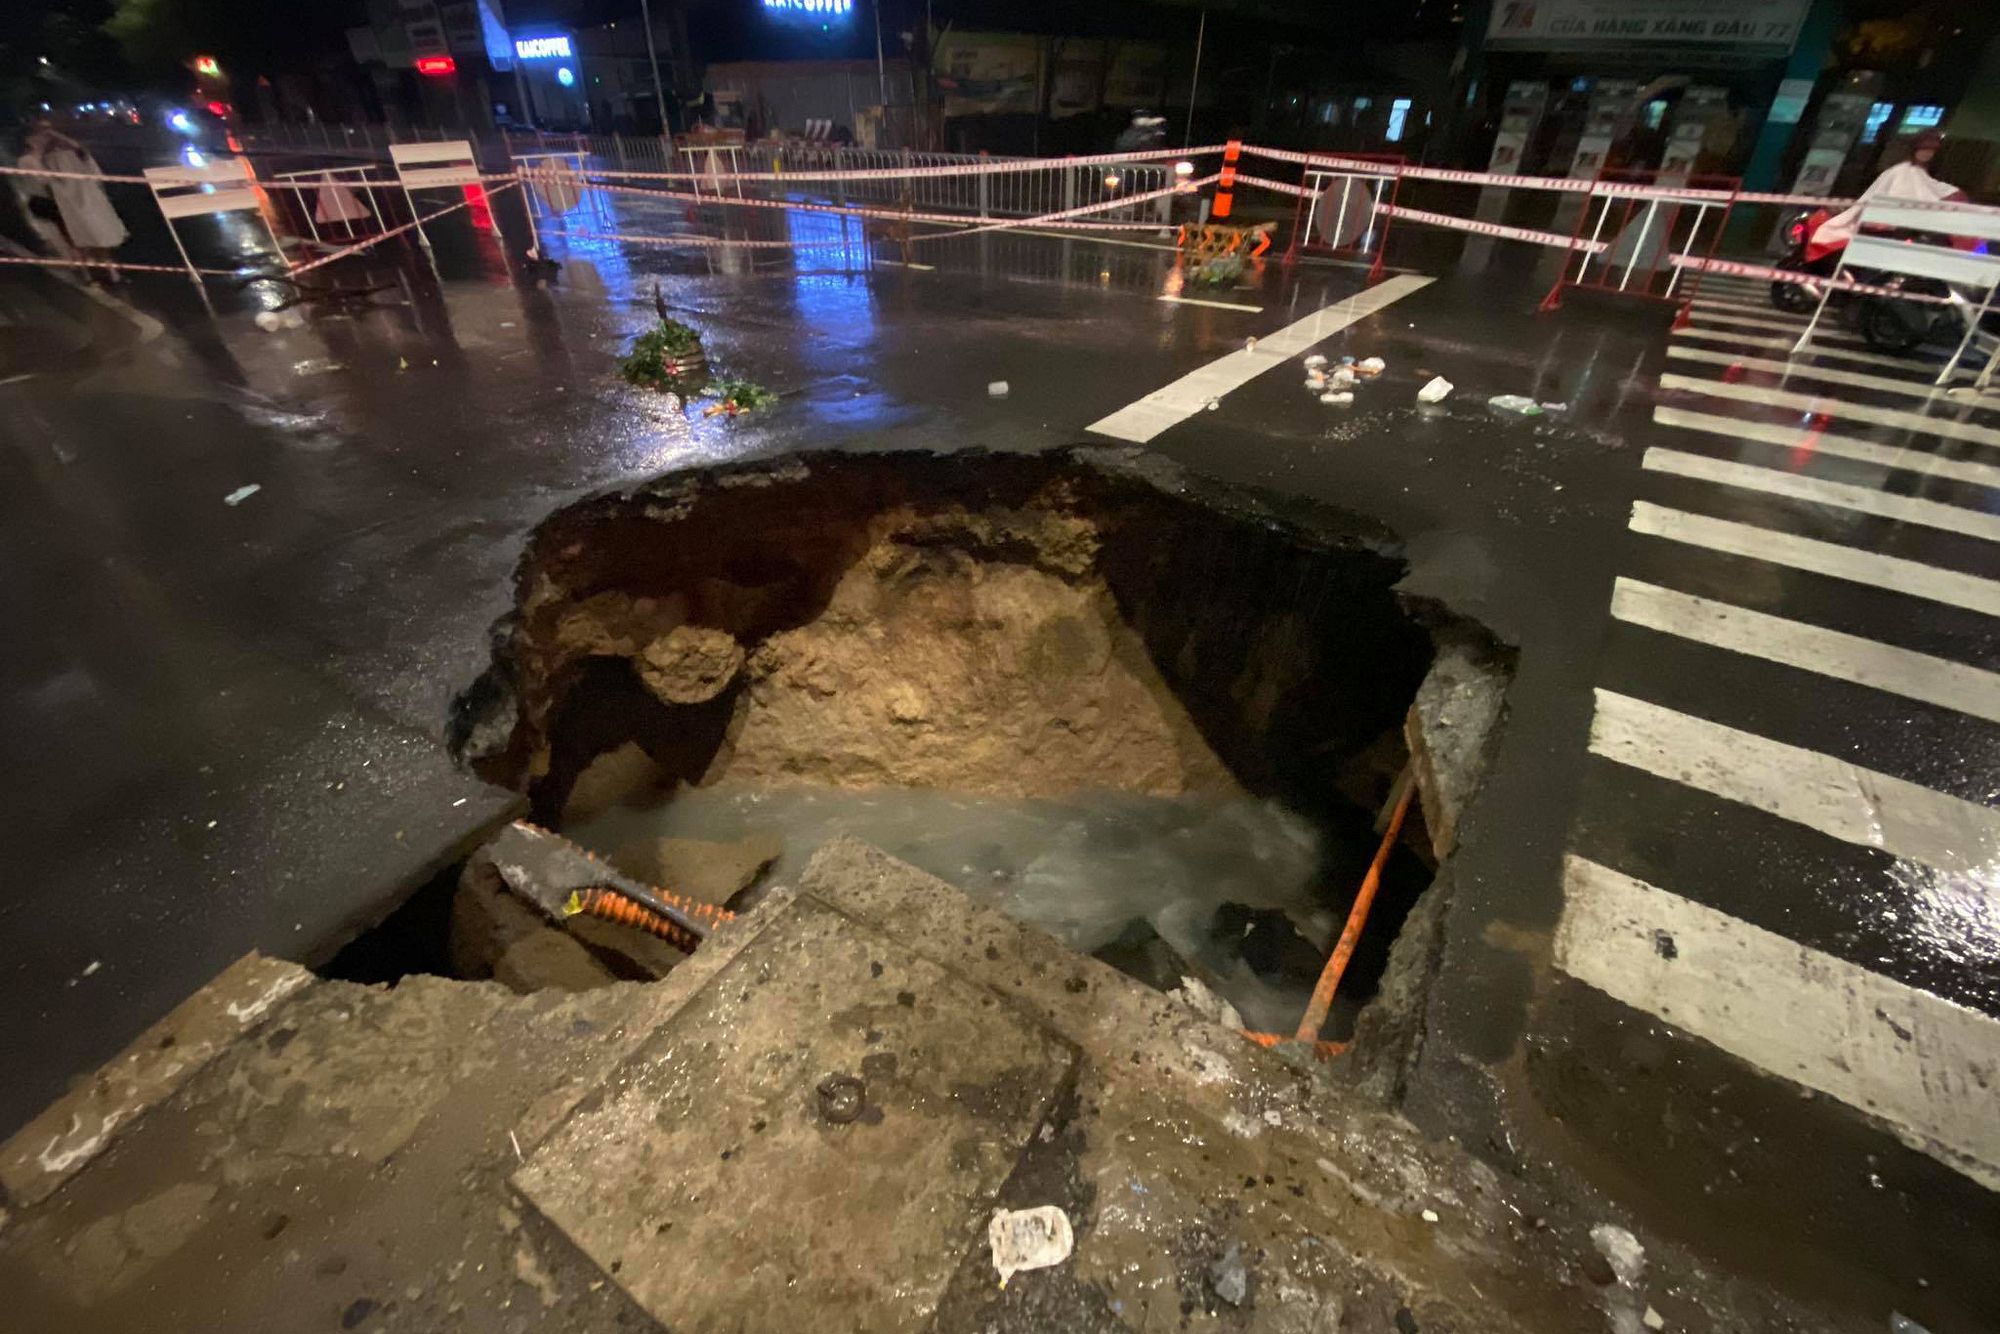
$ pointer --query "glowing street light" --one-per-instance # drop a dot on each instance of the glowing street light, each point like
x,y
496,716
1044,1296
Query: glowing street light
x,y
207,65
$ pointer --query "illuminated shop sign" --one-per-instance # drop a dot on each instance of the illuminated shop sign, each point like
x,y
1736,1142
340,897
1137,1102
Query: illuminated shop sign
x,y
542,48
810,8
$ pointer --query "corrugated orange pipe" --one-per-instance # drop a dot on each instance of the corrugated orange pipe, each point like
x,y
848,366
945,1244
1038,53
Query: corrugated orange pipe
x,y
613,906
1357,917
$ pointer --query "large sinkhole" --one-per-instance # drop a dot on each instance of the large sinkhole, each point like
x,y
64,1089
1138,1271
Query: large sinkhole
x,y
1143,711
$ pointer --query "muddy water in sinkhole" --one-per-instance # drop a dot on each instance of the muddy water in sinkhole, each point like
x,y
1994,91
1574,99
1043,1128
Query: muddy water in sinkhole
x,y
1084,868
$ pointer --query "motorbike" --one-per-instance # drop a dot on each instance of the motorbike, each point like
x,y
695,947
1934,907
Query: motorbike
x,y
1897,325
1800,297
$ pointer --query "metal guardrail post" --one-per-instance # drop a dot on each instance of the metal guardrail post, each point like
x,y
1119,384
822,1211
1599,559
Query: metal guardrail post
x,y
985,192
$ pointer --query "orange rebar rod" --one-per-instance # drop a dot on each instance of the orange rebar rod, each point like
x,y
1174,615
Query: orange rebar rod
x,y
1324,1051
1357,917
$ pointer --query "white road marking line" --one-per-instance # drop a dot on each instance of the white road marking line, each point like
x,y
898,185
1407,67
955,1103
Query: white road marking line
x,y
1702,303
1917,1061
1773,321
1900,671
1804,553
1839,799
1836,407
1819,491
1821,442
908,264
1916,366
1804,370
1219,305
1139,422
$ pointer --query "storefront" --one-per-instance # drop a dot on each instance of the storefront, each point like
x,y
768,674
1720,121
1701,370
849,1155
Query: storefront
x,y
551,79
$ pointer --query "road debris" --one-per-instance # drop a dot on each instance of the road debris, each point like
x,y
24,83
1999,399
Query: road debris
x,y
1621,1250
1429,1215
1371,367
1228,1277
996,389
1518,404
1653,1319
1555,407
242,493
1435,391
1315,362
1337,398
1029,1239
736,396
1341,377
1196,995
1250,345
842,1099
317,366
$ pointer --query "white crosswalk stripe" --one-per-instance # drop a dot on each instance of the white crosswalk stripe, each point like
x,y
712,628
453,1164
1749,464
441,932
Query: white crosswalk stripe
x,y
1922,369
1842,999
1901,671
1836,407
1818,491
1835,797
1810,442
1916,1060
1828,558
1805,370
1702,319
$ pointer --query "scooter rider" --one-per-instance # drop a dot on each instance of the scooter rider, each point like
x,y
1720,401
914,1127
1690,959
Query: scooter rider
x,y
1910,179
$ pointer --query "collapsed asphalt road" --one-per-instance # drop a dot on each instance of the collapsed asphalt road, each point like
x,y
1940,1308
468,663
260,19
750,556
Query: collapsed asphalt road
x,y
233,709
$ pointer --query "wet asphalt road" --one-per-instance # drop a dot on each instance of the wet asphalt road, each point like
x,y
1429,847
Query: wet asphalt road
x,y
225,718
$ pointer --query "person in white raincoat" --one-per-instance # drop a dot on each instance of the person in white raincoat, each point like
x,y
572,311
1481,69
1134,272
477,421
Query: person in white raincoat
x,y
1905,180
90,225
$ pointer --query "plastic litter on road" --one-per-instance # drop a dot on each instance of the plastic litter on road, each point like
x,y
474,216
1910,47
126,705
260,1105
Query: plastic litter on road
x,y
242,493
997,389
1435,391
1315,362
1343,396
1371,367
1029,1239
1519,405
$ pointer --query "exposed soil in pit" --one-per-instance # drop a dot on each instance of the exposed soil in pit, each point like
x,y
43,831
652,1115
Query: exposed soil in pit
x,y
1139,709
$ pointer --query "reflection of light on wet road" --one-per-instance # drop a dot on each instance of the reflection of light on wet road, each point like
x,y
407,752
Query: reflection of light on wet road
x,y
1950,917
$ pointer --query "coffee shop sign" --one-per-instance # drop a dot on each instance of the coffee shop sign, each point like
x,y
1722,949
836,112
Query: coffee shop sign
x,y
542,48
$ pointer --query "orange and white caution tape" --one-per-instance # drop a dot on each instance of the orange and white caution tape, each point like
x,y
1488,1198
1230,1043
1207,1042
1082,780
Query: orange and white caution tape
x,y
377,239
1480,228
40,261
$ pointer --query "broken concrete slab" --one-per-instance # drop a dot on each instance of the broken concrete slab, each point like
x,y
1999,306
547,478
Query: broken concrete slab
x,y
350,1162
1450,730
78,1126
695,868
487,919
550,959
889,1097
343,1167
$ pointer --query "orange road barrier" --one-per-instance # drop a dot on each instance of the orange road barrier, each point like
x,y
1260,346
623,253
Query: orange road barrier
x,y
1357,917
612,906
1225,184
